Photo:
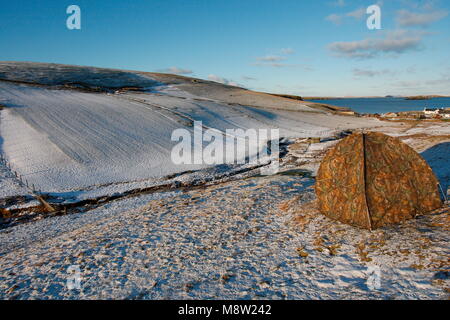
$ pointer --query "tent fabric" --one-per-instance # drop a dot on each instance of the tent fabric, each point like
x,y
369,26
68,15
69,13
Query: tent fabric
x,y
371,180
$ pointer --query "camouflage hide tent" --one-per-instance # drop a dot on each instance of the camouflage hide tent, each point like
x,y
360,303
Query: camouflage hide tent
x,y
371,180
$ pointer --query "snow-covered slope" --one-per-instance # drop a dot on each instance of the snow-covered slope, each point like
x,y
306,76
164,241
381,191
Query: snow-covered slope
x,y
78,133
204,244
58,74
63,139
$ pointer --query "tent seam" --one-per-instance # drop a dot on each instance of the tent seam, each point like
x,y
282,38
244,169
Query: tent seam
x,y
365,180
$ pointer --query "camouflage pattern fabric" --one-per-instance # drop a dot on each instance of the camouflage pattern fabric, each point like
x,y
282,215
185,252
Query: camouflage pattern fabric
x,y
371,180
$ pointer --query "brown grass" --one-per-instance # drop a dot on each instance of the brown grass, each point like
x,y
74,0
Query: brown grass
x,y
362,252
301,252
304,213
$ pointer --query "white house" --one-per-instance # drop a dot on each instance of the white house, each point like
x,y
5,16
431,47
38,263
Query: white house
x,y
444,113
431,111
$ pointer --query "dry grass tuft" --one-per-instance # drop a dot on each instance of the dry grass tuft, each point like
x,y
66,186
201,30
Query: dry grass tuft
x,y
362,252
333,249
301,252
304,213
284,206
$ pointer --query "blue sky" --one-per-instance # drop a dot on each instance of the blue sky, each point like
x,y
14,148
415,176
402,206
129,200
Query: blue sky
x,y
299,47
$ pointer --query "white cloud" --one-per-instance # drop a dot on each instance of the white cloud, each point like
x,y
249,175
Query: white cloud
x,y
276,61
272,64
338,19
357,14
361,73
406,18
304,67
334,18
273,60
218,79
176,70
394,42
270,58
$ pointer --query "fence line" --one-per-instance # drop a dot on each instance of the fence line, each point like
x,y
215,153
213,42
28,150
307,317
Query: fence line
x,y
22,181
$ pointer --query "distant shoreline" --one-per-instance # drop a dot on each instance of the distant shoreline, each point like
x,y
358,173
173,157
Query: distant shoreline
x,y
385,105
420,97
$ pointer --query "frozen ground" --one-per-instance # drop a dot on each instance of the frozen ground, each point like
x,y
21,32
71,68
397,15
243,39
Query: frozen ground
x,y
62,140
10,185
58,74
203,244
72,141
253,237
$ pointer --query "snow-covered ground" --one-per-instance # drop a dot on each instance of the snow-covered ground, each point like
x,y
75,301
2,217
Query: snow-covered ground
x,y
259,238
69,140
10,185
58,74
250,237
62,140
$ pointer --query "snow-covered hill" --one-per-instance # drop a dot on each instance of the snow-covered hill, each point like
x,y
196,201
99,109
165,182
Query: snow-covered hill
x,y
68,128
81,133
